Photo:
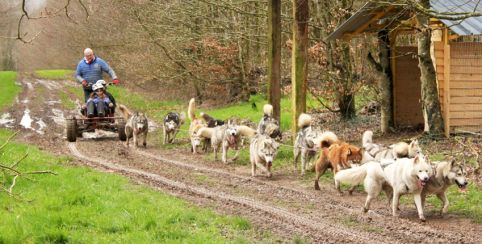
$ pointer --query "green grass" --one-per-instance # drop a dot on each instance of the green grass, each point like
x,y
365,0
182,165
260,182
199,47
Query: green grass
x,y
8,88
55,74
84,206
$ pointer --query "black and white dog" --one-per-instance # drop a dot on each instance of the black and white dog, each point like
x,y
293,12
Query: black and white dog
x,y
212,122
171,125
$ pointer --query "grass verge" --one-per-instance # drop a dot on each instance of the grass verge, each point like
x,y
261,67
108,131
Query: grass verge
x,y
84,206
8,88
55,74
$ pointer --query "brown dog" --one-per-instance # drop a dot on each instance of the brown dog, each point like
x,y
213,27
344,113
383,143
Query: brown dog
x,y
336,156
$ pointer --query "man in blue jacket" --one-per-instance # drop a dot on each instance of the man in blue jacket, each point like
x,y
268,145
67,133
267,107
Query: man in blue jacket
x,y
89,71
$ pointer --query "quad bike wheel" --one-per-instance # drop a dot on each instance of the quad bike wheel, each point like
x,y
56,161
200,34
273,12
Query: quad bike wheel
x,y
71,129
121,130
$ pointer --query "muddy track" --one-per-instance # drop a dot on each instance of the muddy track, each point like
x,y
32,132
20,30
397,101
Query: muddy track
x,y
313,209
286,217
284,205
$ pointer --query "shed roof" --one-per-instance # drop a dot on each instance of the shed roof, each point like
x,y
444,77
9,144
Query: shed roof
x,y
469,26
366,19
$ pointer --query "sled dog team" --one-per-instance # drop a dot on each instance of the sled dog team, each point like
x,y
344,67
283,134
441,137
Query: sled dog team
x,y
208,132
397,169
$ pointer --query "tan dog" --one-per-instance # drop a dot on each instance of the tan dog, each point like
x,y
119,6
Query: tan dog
x,y
195,125
336,157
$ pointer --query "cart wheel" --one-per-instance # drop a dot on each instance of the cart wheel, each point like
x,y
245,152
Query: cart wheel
x,y
121,129
71,129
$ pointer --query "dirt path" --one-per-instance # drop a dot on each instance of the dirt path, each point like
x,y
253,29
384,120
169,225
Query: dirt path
x,y
285,205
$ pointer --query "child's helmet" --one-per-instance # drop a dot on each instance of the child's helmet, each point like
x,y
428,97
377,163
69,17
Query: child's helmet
x,y
97,86
102,82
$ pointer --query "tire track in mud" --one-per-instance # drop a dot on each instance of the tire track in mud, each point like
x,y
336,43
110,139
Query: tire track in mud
x,y
398,226
319,230
327,211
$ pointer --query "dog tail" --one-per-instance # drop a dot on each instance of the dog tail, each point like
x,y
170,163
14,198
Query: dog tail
x,y
327,139
400,149
304,121
191,113
125,112
367,138
246,131
206,117
268,110
353,176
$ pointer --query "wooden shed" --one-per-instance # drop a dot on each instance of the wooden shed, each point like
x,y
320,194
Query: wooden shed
x,y
456,53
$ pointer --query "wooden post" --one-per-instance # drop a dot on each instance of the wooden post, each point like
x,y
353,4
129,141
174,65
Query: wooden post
x,y
274,56
299,60
446,82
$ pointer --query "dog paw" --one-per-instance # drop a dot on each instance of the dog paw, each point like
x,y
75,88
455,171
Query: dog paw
x,y
364,210
270,175
422,219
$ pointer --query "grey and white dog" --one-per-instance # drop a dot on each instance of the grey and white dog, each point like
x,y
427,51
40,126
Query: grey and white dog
x,y
171,125
308,142
446,174
262,151
225,136
268,125
136,125
378,152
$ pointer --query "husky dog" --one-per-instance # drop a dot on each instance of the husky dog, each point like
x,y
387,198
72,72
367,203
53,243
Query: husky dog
x,y
308,141
172,123
262,152
224,137
394,176
136,125
377,152
211,122
269,125
195,125
338,156
445,175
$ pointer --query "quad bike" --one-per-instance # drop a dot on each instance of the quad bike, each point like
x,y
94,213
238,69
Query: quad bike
x,y
76,126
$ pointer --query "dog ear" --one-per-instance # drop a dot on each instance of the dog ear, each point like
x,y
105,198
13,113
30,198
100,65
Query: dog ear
x,y
452,162
416,159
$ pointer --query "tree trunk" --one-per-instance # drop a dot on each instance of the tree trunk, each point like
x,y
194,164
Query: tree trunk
x,y
346,99
385,80
346,103
430,100
299,64
386,83
274,55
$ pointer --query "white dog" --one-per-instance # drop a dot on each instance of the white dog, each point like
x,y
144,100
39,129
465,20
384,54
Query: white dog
x,y
377,152
395,176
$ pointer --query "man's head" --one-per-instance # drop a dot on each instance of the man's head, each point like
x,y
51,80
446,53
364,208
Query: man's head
x,y
89,55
